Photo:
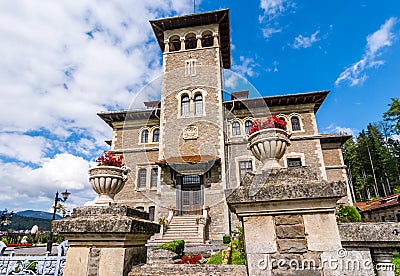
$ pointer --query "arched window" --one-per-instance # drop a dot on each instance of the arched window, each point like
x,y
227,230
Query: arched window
x,y
207,39
235,128
247,126
156,135
295,123
190,41
174,43
145,136
198,104
142,178
185,105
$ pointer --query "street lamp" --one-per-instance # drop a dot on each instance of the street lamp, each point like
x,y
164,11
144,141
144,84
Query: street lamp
x,y
56,200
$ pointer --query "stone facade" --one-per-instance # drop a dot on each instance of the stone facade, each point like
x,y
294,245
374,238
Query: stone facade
x,y
198,139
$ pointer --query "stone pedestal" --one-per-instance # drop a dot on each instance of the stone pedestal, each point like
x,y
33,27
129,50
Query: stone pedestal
x,y
105,240
289,222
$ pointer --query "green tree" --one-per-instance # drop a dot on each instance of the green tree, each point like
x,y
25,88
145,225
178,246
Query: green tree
x,y
393,115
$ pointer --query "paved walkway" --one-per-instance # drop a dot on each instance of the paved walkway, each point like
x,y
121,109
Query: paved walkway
x,y
34,250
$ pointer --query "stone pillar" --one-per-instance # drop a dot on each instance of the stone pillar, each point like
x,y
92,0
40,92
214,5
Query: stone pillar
x,y
183,46
105,240
216,42
198,40
383,261
166,43
289,222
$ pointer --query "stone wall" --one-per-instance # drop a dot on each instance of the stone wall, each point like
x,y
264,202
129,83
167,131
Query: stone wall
x,y
186,269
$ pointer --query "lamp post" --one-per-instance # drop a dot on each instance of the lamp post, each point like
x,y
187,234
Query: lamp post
x,y
56,200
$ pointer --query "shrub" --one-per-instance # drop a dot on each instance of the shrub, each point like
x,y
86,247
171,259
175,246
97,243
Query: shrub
x,y
226,239
195,259
237,258
215,259
396,262
347,214
177,246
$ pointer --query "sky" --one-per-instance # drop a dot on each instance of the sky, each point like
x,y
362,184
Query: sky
x,y
62,62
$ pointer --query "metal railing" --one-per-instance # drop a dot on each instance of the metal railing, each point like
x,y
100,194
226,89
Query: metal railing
x,y
35,265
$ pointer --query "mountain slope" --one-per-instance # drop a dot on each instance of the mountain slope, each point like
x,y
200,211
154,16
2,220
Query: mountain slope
x,y
38,214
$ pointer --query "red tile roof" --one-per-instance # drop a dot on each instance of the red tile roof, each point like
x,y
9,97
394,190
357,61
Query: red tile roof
x,y
381,203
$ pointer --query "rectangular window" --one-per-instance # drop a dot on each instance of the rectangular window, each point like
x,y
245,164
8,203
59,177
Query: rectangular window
x,y
294,162
190,67
186,198
142,178
244,167
191,180
154,178
152,212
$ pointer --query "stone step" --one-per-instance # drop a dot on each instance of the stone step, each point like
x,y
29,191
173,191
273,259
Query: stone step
x,y
182,227
179,230
160,242
180,237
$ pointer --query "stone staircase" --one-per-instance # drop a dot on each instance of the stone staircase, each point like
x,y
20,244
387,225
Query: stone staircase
x,y
181,228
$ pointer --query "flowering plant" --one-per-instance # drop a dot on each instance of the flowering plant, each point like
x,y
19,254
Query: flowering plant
x,y
195,259
108,159
272,121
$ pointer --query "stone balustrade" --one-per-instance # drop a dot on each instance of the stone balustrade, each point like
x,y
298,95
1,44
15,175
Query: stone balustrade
x,y
379,240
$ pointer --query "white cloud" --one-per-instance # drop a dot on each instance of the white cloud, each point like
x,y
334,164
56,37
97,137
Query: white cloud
x,y
61,62
355,74
246,67
272,10
32,186
305,42
342,130
22,147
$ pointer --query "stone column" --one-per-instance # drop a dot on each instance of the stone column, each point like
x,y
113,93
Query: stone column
x,y
183,46
198,40
383,261
105,240
166,43
289,222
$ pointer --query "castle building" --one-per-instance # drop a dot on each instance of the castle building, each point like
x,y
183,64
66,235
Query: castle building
x,y
189,149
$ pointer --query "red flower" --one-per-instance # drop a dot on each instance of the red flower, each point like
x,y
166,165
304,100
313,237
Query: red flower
x,y
195,259
272,121
108,159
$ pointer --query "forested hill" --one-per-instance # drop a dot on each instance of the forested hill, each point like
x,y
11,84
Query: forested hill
x,y
26,223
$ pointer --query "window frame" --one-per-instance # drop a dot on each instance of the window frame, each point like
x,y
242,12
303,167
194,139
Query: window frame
x,y
156,133
140,177
144,136
297,124
187,105
198,104
246,168
247,127
153,181
236,131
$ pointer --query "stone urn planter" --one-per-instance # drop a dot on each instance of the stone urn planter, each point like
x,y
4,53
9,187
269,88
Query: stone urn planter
x,y
107,181
268,146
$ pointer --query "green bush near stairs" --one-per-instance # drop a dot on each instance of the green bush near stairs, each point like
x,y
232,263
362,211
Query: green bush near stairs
x,y
177,246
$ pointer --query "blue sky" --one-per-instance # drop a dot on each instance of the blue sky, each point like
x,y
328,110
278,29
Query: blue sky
x,y
62,62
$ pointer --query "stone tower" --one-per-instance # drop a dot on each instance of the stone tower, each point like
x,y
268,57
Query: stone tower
x,y
195,50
